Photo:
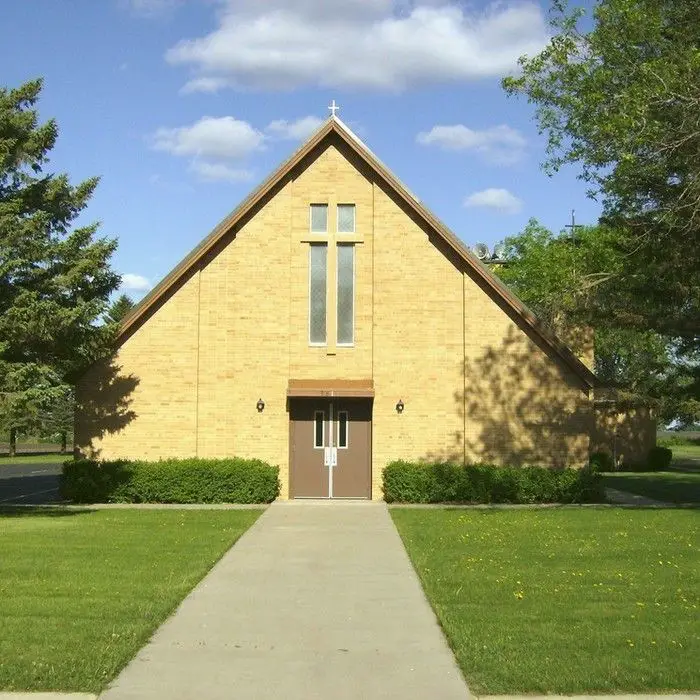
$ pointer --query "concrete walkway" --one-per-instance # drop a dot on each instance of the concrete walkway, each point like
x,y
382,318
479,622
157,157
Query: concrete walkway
x,y
316,600
633,499
47,696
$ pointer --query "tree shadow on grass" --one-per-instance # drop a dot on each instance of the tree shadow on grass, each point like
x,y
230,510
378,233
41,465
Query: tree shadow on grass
x,y
673,488
52,452
19,511
685,466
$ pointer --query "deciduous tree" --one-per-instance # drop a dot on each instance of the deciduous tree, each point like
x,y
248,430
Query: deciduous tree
x,y
557,276
622,100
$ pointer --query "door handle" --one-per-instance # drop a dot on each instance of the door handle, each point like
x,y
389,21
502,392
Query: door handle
x,y
334,456
327,457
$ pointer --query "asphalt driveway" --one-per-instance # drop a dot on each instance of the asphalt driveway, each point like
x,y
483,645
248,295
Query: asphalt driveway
x,y
33,484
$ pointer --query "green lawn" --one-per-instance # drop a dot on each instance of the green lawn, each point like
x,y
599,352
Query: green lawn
x,y
683,454
672,487
49,458
82,591
565,600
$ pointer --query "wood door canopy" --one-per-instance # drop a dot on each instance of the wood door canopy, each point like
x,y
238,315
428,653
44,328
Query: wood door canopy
x,y
347,388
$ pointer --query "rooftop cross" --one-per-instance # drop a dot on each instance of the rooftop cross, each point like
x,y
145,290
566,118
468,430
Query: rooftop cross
x,y
333,108
573,225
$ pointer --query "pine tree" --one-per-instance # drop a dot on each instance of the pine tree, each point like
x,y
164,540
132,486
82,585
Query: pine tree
x,y
55,280
119,309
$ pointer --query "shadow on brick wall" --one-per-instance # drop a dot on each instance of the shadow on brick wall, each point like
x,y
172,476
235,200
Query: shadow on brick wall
x,y
520,406
102,405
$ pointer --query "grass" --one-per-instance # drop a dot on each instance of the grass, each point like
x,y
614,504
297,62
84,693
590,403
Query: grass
x,y
686,453
563,600
47,458
82,591
680,484
670,486
685,446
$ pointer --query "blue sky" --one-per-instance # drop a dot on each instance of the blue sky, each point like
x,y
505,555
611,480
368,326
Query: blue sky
x,y
183,106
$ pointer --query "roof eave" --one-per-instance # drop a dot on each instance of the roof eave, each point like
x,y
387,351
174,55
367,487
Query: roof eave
x,y
222,228
334,125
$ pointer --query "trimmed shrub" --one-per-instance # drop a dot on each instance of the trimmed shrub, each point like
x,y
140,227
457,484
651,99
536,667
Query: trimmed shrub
x,y
231,480
439,482
601,462
659,458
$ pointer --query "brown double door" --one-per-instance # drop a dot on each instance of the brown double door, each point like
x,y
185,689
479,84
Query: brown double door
x,y
330,443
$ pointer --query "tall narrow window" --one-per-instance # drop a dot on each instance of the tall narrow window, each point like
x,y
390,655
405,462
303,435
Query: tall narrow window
x,y
346,218
318,429
319,218
317,293
346,294
342,429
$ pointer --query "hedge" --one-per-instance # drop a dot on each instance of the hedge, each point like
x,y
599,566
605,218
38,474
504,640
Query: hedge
x,y
231,480
440,482
601,462
659,458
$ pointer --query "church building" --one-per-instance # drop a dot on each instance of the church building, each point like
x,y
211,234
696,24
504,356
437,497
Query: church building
x,y
330,325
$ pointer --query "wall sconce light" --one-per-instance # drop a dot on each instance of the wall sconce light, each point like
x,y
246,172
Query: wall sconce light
x,y
260,405
399,407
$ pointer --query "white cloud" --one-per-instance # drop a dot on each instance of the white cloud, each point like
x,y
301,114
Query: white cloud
x,y
152,8
212,143
218,172
210,137
203,84
135,283
495,198
382,44
498,144
297,130
326,9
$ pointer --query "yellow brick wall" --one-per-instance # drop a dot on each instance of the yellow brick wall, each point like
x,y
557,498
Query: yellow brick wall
x,y
473,383
522,405
418,343
333,178
626,434
244,340
160,359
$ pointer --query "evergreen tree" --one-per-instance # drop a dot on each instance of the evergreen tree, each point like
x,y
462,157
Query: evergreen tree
x,y
58,418
119,309
55,280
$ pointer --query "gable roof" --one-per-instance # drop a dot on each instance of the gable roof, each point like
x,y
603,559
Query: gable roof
x,y
333,125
